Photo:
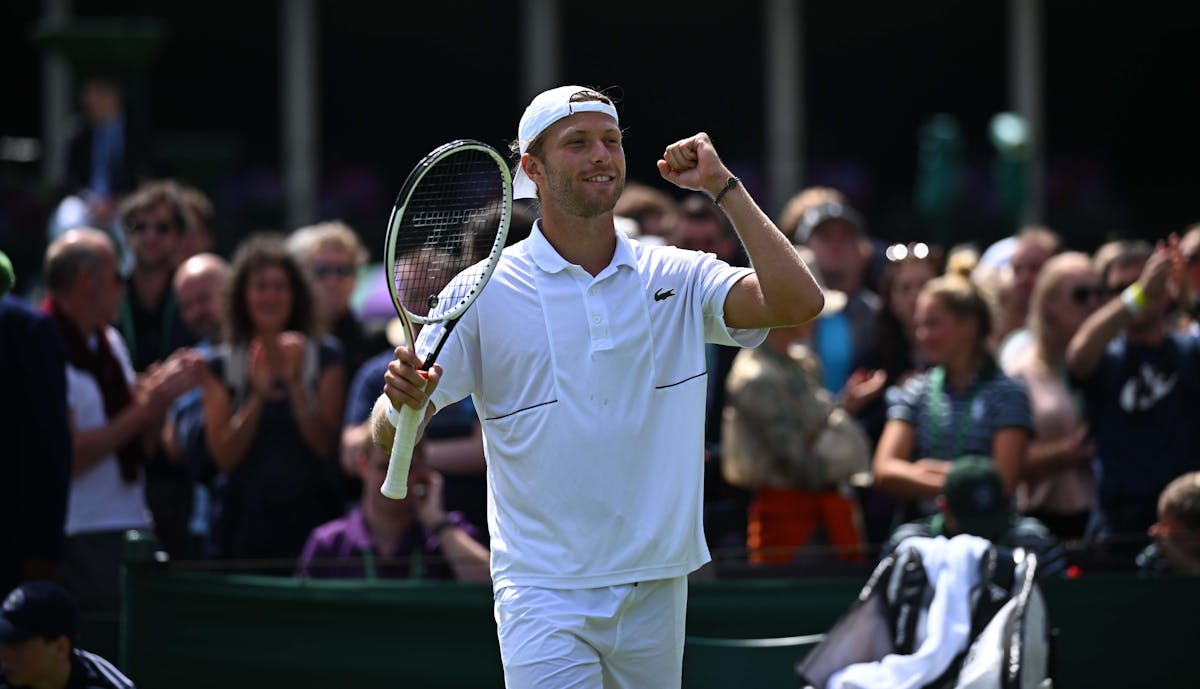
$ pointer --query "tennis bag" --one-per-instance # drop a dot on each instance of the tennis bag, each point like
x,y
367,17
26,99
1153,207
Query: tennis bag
x,y
1009,642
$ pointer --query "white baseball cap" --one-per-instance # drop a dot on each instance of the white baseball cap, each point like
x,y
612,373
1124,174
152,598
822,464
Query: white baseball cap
x,y
546,109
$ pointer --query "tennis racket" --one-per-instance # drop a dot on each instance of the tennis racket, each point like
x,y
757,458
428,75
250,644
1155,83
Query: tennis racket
x,y
443,242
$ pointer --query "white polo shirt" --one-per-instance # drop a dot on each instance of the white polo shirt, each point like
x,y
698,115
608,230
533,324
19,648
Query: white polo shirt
x,y
592,392
99,499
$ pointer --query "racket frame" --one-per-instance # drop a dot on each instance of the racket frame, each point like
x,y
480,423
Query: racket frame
x,y
407,420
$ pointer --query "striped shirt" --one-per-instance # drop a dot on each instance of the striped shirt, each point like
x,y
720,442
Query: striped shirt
x,y
952,423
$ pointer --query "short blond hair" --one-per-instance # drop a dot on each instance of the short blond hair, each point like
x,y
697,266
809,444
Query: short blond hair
x,y
306,241
1180,501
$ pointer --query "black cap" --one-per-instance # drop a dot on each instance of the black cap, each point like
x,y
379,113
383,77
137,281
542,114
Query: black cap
x,y
824,212
38,609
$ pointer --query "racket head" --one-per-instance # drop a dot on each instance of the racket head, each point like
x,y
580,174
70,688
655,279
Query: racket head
x,y
447,231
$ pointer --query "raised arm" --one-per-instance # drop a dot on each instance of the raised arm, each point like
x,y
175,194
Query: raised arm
x,y
781,291
1087,346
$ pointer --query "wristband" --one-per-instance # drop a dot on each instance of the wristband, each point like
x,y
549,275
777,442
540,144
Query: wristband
x,y
393,415
1134,299
733,182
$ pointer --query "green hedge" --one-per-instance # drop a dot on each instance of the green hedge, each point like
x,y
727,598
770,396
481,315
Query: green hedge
x,y
189,629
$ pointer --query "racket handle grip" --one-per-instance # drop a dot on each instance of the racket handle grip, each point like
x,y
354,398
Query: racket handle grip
x,y
406,420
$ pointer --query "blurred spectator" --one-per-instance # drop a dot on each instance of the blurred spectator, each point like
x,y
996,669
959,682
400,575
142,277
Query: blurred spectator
x,y
199,282
963,405
272,408
1057,483
35,465
701,226
333,256
198,285
786,440
199,236
654,211
39,625
973,501
414,538
1141,385
115,424
154,220
893,345
106,156
821,219
893,349
1176,533
1034,246
452,443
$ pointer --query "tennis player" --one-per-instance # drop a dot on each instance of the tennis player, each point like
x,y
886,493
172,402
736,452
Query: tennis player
x,y
585,359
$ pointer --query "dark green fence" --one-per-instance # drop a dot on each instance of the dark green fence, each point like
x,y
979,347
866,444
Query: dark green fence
x,y
189,629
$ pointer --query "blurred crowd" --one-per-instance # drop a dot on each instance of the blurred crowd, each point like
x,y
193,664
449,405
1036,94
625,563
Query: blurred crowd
x,y
1025,391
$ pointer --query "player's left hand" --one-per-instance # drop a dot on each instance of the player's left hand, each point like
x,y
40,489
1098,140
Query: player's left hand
x,y
405,384
693,163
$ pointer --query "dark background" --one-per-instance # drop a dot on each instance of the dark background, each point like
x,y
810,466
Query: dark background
x,y
396,79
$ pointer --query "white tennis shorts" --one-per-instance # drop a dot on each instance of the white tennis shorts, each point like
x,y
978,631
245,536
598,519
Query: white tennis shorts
x,y
616,637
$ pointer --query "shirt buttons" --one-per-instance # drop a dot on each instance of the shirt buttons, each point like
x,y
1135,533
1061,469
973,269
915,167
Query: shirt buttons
x,y
595,318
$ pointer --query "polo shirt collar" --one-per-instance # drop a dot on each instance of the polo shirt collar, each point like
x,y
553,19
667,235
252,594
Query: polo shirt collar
x,y
549,260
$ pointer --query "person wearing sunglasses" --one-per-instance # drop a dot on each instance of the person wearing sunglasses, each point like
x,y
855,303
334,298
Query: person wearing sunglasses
x,y
1141,385
154,220
332,254
1057,484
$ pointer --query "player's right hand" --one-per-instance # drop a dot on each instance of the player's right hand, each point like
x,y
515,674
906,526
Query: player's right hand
x,y
404,383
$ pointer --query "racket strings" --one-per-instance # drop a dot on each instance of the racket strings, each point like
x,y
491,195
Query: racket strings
x,y
449,228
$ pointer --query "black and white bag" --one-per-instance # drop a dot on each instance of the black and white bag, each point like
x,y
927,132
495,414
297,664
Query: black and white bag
x,y
1009,642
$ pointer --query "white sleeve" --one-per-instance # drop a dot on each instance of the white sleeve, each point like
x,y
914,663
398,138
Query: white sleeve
x,y
716,278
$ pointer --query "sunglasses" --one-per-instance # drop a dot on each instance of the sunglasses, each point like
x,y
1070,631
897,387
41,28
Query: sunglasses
x,y
161,227
1082,294
324,270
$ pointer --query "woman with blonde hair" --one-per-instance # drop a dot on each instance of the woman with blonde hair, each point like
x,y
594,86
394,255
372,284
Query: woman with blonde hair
x,y
1057,486
962,406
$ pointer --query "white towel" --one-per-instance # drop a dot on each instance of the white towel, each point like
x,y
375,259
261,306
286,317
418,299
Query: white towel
x,y
953,569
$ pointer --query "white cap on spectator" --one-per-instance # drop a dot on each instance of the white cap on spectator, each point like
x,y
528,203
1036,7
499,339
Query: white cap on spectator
x,y
546,109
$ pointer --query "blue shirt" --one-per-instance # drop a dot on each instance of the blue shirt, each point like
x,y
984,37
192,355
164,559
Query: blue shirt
x,y
1143,408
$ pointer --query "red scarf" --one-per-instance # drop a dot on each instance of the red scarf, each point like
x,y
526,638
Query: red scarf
x,y
102,364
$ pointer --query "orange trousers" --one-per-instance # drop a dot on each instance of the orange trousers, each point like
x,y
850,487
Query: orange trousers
x,y
783,520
